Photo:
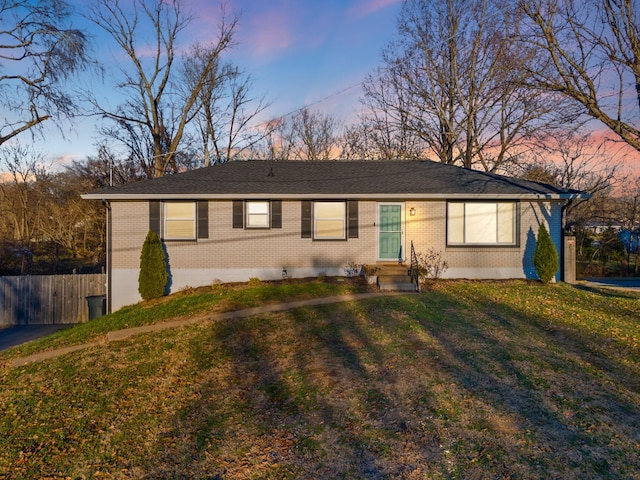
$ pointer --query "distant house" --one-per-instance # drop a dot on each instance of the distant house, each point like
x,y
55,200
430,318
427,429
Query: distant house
x,y
630,239
259,219
598,227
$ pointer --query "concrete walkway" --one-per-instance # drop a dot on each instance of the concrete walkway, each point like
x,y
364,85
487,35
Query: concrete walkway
x,y
117,335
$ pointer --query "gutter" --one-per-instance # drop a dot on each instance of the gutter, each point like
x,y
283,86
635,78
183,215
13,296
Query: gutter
x,y
316,196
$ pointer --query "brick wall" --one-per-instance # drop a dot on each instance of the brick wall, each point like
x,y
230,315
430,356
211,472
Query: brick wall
x,y
236,254
427,229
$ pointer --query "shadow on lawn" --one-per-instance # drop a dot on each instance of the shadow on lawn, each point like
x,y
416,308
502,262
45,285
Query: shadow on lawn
x,y
301,401
410,387
567,390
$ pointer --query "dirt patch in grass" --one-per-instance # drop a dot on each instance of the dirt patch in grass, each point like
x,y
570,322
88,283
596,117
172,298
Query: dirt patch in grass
x,y
468,380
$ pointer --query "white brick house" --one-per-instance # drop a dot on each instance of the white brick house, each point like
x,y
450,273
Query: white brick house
x,y
249,219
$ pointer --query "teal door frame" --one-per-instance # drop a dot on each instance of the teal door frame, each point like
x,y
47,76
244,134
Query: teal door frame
x,y
390,235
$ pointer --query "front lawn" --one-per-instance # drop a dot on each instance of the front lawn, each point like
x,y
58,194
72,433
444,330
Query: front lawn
x,y
468,380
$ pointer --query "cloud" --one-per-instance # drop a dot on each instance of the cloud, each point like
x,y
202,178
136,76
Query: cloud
x,y
368,7
268,33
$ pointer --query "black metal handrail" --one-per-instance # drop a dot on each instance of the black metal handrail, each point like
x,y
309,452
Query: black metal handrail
x,y
414,268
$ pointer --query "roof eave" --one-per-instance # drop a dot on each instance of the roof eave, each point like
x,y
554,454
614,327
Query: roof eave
x,y
310,196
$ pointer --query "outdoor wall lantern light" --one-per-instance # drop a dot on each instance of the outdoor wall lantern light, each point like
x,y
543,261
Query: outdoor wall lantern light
x,y
412,211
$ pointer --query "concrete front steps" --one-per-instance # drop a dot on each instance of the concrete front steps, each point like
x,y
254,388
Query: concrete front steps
x,y
394,277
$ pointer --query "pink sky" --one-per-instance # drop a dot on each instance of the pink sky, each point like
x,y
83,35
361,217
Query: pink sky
x,y
298,52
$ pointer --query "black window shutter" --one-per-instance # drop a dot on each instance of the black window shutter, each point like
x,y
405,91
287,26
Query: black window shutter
x,y
154,216
352,213
306,219
238,214
276,213
203,219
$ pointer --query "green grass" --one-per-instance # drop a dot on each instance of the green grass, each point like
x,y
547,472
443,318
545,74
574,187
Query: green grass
x,y
468,380
190,302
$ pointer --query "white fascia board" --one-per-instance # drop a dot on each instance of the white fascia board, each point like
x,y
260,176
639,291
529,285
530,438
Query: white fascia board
x,y
314,196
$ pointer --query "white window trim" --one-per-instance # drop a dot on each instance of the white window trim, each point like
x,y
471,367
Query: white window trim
x,y
166,219
343,219
515,225
248,214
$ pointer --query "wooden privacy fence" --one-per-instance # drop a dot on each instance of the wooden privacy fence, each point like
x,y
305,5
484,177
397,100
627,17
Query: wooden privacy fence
x,y
48,299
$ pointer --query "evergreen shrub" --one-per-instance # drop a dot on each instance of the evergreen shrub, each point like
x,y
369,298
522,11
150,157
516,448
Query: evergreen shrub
x,y
152,281
545,258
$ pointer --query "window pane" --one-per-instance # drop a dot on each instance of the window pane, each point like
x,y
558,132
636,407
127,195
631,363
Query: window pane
x,y
258,207
257,220
330,210
329,229
455,225
179,220
180,210
257,214
180,229
330,219
506,219
481,223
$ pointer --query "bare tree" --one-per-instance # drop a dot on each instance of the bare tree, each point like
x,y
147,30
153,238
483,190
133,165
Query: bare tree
x,y
20,199
579,160
629,216
106,168
588,51
375,137
305,135
273,145
42,52
157,105
453,79
574,160
75,226
226,108
313,135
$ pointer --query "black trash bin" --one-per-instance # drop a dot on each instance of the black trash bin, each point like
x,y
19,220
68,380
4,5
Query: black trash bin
x,y
97,306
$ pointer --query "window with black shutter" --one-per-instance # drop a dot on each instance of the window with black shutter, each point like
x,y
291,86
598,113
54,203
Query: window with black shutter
x,y
352,212
306,219
250,214
203,219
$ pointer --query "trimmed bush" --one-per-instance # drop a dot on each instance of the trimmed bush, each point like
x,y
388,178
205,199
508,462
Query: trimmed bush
x,y
152,281
545,258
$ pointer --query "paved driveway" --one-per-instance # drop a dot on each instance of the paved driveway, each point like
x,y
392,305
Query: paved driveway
x,y
620,283
10,337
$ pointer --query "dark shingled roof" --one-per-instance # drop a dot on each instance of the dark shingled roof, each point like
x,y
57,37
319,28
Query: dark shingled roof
x,y
288,179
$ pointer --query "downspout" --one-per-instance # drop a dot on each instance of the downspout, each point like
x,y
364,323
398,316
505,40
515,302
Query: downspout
x,y
108,253
562,241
